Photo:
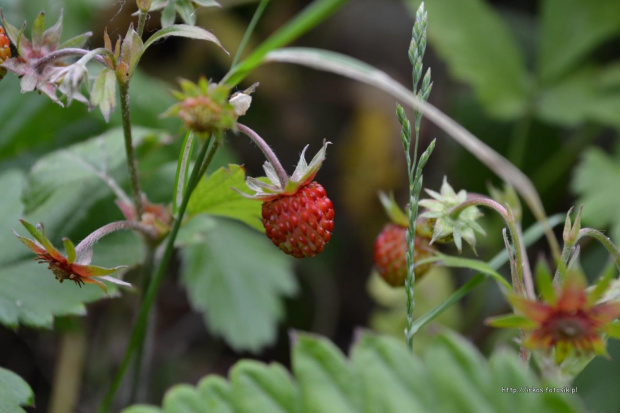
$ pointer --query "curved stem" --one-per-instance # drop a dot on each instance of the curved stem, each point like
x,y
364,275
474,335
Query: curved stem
x,y
137,336
269,154
604,240
107,229
132,163
62,53
521,284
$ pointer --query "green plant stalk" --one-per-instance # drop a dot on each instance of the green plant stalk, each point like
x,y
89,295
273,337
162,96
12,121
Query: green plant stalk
x,y
137,336
604,240
141,22
246,36
522,286
147,270
311,16
132,163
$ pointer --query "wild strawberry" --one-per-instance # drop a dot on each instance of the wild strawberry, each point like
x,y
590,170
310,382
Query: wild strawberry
x,y
297,215
391,254
300,224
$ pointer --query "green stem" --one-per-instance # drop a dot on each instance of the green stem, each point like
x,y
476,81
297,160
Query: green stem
x,y
137,335
521,285
246,36
604,240
300,24
132,163
141,22
147,270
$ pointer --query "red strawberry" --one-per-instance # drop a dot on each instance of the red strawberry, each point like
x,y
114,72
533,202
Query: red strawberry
x,y
300,224
391,255
297,215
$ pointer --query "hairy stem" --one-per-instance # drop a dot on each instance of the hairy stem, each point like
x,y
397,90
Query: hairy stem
x,y
62,53
267,151
107,229
137,335
132,163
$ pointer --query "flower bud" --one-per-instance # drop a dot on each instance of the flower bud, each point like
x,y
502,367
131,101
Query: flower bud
x,y
144,5
5,51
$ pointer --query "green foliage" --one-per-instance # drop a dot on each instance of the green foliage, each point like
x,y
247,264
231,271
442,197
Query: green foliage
x,y
237,279
77,168
567,40
14,392
215,196
380,376
479,50
596,174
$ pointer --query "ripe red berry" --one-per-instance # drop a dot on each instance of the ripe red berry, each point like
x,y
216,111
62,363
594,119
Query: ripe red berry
x,y
391,255
300,224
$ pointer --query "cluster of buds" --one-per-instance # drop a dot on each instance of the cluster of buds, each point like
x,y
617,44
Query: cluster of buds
x,y
203,107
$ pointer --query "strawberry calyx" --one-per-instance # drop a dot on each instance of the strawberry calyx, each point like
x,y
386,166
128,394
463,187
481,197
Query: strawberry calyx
x,y
271,187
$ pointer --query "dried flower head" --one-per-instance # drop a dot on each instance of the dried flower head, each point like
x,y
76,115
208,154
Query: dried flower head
x,y
567,319
74,266
38,59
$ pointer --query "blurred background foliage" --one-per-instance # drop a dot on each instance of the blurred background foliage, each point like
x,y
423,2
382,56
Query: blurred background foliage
x,y
539,81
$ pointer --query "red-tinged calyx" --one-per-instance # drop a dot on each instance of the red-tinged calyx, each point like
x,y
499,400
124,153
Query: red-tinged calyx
x,y
300,224
390,254
74,266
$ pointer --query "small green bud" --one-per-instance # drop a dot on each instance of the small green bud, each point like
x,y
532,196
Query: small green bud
x,y
144,5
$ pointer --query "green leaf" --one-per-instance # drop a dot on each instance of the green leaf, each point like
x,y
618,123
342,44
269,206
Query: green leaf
x,y
77,166
327,382
510,321
544,282
570,30
595,175
215,196
381,376
237,278
257,387
186,11
480,51
11,183
183,30
394,380
14,392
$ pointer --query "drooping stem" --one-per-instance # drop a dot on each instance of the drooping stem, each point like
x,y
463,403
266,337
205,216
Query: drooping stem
x,y
138,333
107,229
132,163
267,151
62,53
523,285
604,240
